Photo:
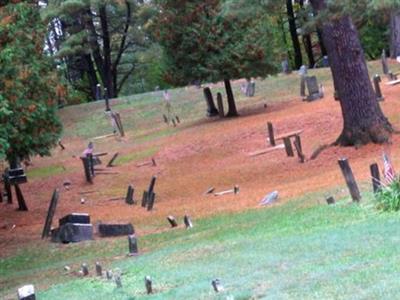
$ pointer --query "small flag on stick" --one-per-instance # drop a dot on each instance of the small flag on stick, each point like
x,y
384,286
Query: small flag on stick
x,y
388,170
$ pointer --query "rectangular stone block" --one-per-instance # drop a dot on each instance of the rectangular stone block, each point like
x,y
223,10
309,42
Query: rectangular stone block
x,y
72,233
106,230
75,218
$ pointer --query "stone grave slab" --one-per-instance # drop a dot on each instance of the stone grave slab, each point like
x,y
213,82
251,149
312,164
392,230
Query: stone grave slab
x,y
108,230
72,233
77,218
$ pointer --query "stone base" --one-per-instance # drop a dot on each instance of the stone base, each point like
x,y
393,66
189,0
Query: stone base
x,y
312,97
72,233
106,230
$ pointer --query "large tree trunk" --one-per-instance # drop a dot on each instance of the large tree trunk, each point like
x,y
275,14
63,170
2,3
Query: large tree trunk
x,y
232,112
363,119
298,60
309,50
108,78
395,34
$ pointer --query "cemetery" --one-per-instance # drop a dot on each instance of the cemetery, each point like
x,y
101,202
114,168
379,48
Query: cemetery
x,y
255,185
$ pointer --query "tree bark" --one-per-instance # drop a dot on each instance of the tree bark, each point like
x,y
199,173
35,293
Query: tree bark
x,y
232,111
298,60
108,78
309,50
395,34
363,120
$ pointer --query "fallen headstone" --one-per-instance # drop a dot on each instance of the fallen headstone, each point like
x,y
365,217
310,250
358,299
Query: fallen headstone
x,y
270,198
172,221
72,233
27,292
106,230
216,284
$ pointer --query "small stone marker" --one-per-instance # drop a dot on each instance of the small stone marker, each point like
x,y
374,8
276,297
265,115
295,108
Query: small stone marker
x,y
330,200
133,247
152,184
27,292
270,198
107,230
72,232
271,134
149,284
165,119
378,91
376,180
173,122
303,74
151,200
87,169
99,270
210,190
109,274
129,196
299,149
188,222
285,67
313,88
85,269
144,199
288,146
220,104
172,221
385,67
211,109
216,284
177,119
350,181
117,279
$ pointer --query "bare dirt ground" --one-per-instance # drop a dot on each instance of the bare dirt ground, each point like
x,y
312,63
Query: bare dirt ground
x,y
202,154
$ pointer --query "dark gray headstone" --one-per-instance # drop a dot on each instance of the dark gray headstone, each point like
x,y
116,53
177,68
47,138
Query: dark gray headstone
x,y
385,67
106,230
377,80
133,247
72,233
77,218
148,284
216,284
172,221
129,195
188,222
85,269
313,88
109,274
99,270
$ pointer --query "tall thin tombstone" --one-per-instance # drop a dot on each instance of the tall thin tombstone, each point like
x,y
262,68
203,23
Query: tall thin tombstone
x,y
377,80
211,109
271,134
50,214
376,180
220,104
107,101
20,198
350,180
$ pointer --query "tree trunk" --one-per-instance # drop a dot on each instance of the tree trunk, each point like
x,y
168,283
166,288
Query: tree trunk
x,y
232,112
108,78
395,34
363,119
309,50
298,60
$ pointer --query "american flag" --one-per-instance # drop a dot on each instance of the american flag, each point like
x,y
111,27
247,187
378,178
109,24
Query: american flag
x,y
388,170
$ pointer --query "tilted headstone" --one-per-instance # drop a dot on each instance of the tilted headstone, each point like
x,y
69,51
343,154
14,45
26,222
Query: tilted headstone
x,y
118,281
220,104
211,109
151,200
27,292
330,200
99,270
106,230
378,91
172,221
129,196
144,199
149,284
270,198
216,284
133,246
50,214
109,274
188,222
85,269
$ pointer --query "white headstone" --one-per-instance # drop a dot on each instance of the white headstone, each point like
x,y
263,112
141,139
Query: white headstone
x,y
26,292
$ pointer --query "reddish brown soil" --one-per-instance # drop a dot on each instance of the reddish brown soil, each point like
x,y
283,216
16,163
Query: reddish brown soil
x,y
208,153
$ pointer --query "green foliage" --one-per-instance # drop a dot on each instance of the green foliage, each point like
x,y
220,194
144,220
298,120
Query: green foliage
x,y
388,198
208,41
374,35
28,120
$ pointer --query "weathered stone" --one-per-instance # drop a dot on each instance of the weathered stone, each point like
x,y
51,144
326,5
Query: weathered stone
x,y
106,230
76,218
133,247
217,285
27,292
71,232
172,221
85,269
99,270
148,284
188,222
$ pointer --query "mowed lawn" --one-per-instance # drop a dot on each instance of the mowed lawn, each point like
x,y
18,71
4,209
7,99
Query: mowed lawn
x,y
295,251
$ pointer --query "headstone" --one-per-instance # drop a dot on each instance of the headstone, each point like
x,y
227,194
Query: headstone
x,y
16,176
99,270
109,274
98,92
378,92
165,119
188,222
72,233
111,162
152,184
50,214
330,200
27,292
85,269
325,61
172,221
216,284
350,180
271,134
149,284
270,198
313,88
144,199
151,200
79,218
288,147
129,196
211,109
385,67
118,281
285,66
20,198
376,180
177,119
106,230
133,246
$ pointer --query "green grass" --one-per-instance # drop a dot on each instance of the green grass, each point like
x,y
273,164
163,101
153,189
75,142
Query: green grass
x,y
136,156
296,251
44,172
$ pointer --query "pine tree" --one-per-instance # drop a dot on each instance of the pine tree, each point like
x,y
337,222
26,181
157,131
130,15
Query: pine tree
x,y
28,121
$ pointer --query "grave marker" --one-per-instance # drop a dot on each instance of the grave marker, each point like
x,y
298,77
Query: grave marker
x,y
299,150
20,198
151,200
129,196
378,91
313,88
188,222
350,181
27,292
111,162
86,168
271,134
133,246
85,269
385,67
288,147
211,109
106,99
172,221
117,279
216,284
99,270
149,284
144,199
107,230
50,214
220,104
376,180
330,200
109,274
